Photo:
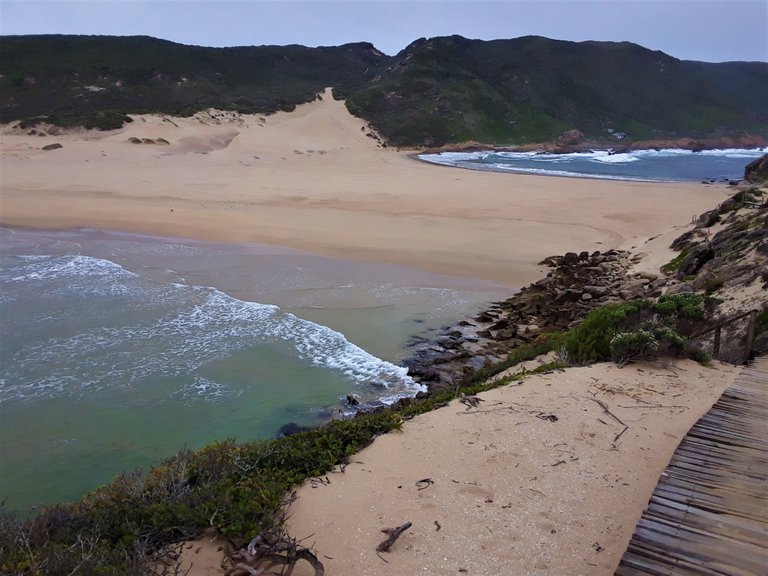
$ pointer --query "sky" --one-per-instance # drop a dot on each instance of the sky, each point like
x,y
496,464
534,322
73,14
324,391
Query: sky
x,y
705,30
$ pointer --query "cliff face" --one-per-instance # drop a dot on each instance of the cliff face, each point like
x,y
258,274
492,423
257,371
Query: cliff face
x,y
436,91
724,258
756,171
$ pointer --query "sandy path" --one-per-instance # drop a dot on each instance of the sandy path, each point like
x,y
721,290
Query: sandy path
x,y
314,180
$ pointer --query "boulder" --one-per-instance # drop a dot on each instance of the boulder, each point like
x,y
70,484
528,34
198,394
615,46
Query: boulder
x,y
55,146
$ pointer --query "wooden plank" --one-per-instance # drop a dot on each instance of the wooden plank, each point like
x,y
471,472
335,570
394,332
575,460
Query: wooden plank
x,y
682,543
749,531
709,513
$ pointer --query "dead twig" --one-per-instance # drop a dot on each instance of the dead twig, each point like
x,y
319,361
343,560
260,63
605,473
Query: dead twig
x,y
607,410
501,409
470,401
273,548
424,483
393,535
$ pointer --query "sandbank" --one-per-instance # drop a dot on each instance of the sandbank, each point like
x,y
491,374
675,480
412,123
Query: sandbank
x,y
315,179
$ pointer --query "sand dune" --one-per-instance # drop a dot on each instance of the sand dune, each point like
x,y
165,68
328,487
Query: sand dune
x,y
315,180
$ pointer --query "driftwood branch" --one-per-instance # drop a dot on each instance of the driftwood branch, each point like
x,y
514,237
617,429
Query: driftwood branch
x,y
471,401
272,548
393,535
605,408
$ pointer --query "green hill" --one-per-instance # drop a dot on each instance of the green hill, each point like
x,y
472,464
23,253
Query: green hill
x,y
436,91
95,80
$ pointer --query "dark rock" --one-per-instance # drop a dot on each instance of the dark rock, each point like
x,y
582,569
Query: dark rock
x,y
55,146
291,428
695,260
352,401
569,259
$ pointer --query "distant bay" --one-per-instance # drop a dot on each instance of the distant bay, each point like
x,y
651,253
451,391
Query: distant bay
x,y
667,165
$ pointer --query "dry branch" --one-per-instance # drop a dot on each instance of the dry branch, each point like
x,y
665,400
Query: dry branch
x,y
393,535
471,401
605,408
273,548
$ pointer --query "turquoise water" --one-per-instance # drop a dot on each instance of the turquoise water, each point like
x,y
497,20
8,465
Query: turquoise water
x,y
642,165
116,350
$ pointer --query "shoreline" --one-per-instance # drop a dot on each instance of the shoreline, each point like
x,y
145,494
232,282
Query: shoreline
x,y
690,144
312,180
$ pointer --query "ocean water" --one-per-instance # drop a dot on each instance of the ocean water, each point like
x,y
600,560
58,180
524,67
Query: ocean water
x,y
118,350
641,165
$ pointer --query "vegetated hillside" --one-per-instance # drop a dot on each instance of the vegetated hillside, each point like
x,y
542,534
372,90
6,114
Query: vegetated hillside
x,y
531,89
436,91
96,80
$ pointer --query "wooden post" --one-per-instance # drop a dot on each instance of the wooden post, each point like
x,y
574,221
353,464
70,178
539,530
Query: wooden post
x,y
750,335
716,343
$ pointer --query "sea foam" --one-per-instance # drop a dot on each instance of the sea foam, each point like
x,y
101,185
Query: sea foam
x,y
92,325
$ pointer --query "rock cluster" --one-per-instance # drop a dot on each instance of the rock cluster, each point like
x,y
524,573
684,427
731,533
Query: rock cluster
x,y
577,284
731,267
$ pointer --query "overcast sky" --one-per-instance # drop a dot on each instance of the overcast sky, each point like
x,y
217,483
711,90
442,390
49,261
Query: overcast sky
x,y
707,30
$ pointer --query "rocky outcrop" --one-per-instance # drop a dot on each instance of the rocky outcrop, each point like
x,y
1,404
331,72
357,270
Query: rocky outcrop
x,y
730,266
570,138
756,171
577,284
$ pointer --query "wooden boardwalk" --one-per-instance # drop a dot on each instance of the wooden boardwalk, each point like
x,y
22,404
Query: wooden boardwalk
x,y
709,512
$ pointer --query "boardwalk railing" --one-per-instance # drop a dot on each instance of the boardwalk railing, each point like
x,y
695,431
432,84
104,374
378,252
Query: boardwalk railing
x,y
718,328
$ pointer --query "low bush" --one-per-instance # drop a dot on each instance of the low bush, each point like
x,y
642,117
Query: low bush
x,y
626,346
674,264
713,284
590,341
640,323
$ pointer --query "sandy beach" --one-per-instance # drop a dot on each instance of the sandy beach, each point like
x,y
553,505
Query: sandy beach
x,y
542,478
315,180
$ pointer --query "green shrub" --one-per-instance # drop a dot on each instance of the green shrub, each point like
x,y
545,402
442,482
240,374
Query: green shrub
x,y
674,264
713,284
686,304
761,322
701,356
626,346
590,341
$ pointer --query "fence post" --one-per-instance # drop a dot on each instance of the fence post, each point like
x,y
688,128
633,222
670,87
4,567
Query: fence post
x,y
750,335
716,342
